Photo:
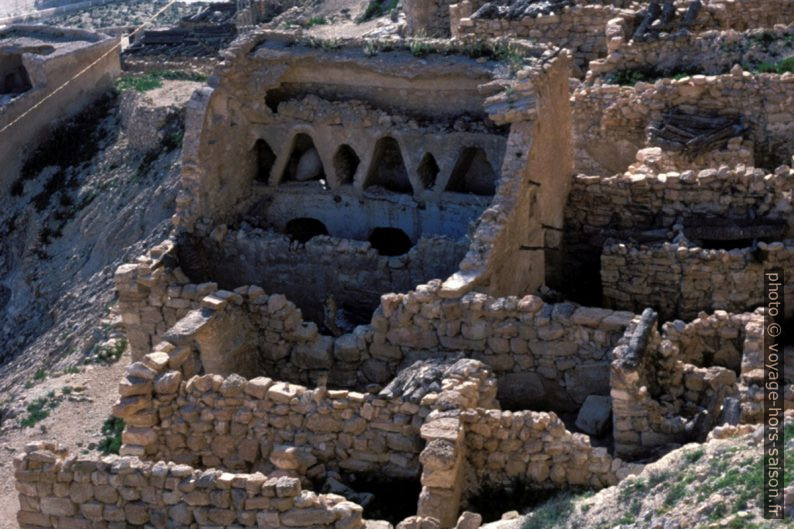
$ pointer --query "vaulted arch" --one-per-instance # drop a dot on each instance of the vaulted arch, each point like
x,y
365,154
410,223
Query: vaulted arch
x,y
472,173
387,169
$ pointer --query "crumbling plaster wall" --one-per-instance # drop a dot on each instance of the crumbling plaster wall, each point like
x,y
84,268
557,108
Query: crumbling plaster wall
x,y
610,121
69,50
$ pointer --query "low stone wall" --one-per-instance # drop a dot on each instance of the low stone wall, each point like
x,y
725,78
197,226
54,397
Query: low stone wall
x,y
610,121
533,447
60,490
648,205
557,354
579,28
709,53
680,281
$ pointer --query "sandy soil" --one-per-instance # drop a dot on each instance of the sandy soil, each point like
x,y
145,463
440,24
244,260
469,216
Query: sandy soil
x,y
76,422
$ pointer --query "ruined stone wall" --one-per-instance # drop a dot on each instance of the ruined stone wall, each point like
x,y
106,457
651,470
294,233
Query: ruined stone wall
x,y
533,447
557,354
58,489
545,356
680,281
709,53
675,387
647,204
351,271
240,424
610,121
743,14
720,338
70,50
425,18
579,28
640,421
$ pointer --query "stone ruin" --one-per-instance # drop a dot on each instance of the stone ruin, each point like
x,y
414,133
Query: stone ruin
x,y
34,61
204,33
350,294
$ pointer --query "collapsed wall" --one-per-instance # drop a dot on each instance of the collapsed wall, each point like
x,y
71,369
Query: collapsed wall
x,y
674,387
612,122
35,61
577,26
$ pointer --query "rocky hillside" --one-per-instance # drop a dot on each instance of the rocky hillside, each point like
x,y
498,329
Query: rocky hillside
x,y
714,485
96,194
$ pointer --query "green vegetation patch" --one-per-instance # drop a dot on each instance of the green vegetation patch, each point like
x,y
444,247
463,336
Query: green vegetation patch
x,y
555,511
143,82
111,435
782,66
40,409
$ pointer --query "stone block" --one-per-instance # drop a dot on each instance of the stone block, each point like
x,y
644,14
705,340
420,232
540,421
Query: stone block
x,y
593,417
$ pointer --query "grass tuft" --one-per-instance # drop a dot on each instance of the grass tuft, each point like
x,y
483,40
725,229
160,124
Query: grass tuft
x,y
111,435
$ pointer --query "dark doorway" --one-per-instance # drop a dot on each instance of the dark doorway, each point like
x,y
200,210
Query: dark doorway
x,y
390,241
304,228
14,78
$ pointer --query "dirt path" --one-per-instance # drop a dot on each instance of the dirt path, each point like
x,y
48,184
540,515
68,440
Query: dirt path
x,y
76,422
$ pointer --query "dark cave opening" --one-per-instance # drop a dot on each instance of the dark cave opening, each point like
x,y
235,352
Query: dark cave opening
x,y
390,241
304,228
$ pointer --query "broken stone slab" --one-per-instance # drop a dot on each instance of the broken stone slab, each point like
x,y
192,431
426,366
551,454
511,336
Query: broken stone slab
x,y
593,417
183,331
446,428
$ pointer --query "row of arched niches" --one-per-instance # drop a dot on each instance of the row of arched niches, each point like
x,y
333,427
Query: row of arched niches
x,y
472,172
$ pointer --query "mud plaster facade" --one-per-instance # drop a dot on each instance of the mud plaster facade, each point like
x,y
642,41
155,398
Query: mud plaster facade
x,y
34,61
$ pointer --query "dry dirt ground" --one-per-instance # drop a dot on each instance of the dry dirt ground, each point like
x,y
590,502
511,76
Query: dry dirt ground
x,y
76,422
